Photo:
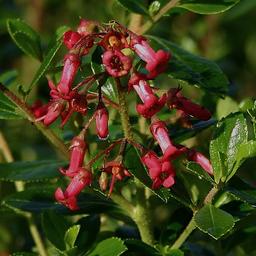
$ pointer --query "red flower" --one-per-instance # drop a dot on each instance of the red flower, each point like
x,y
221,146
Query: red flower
x,y
117,170
39,109
202,160
78,148
86,27
176,100
151,104
55,108
156,62
71,65
101,117
70,39
160,134
160,171
82,179
116,63
114,40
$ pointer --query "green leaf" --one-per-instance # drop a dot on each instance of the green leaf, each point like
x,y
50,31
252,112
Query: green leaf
x,y
35,200
90,227
231,133
25,38
141,248
192,69
109,89
49,56
109,247
214,221
246,196
8,77
197,170
30,171
207,6
71,236
134,6
55,226
244,151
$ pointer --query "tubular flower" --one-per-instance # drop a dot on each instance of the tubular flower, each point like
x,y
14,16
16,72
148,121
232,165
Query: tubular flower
x,y
82,179
176,100
202,160
151,104
101,117
117,170
78,148
70,39
71,65
86,27
160,134
54,110
160,171
39,109
156,62
116,63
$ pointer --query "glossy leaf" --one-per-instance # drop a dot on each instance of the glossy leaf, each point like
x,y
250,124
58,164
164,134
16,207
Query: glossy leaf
x,y
71,236
35,200
197,170
231,133
30,171
25,38
192,69
55,226
134,6
109,247
214,221
207,6
246,196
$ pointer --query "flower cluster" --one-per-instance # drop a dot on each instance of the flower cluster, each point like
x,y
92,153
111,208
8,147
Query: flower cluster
x,y
127,55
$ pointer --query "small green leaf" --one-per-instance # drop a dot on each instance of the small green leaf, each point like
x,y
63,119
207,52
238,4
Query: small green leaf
x,y
192,69
207,6
25,38
55,226
109,89
214,221
30,171
230,134
71,236
197,170
109,247
134,6
154,7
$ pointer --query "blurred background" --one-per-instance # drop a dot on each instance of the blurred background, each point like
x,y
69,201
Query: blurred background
x,y
228,39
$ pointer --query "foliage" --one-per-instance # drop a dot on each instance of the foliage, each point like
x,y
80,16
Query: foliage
x,y
208,200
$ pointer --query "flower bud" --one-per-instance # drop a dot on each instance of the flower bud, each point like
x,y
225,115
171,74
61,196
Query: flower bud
x,y
101,117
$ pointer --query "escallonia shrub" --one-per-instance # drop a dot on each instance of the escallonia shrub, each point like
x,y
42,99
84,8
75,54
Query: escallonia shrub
x,y
121,51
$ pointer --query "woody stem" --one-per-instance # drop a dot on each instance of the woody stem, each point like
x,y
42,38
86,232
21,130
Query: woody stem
x,y
141,212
